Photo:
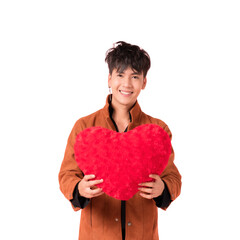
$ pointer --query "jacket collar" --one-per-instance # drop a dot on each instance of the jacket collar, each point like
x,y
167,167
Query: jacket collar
x,y
135,113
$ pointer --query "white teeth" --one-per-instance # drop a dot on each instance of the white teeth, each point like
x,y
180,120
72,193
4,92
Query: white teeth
x,y
125,93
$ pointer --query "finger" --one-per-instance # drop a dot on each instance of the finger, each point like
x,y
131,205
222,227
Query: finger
x,y
93,196
146,190
146,184
94,182
95,191
88,177
99,194
147,196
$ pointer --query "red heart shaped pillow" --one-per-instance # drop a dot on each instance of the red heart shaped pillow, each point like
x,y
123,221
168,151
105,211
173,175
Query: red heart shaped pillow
x,y
122,160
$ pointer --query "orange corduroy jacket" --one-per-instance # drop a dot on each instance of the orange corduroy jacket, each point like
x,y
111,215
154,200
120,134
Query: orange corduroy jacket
x,y
101,218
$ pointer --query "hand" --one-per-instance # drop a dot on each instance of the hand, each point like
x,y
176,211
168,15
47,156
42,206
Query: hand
x,y
88,189
151,190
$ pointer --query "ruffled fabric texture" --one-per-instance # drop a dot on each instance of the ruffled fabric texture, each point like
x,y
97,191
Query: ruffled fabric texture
x,y
122,160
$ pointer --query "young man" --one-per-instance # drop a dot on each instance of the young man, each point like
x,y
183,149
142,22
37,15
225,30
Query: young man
x,y
102,216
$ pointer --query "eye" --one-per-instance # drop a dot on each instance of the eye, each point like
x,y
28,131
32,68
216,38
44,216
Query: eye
x,y
119,75
135,77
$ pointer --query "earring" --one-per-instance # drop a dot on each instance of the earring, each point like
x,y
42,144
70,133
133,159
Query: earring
x,y
110,92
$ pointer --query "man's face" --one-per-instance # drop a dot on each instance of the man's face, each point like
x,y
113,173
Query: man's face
x,y
126,86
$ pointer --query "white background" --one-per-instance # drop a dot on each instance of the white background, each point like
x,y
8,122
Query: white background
x,y
52,72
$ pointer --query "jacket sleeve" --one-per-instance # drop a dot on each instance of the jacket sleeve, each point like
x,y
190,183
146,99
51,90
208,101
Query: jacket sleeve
x,y
79,201
171,175
70,174
164,200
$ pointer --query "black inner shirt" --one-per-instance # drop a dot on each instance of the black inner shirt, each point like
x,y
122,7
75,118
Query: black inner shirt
x,y
123,203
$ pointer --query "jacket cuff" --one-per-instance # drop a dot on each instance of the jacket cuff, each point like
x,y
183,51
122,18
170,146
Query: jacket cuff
x,y
164,200
79,201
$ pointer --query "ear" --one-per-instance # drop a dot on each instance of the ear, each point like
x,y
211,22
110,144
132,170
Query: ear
x,y
109,80
144,82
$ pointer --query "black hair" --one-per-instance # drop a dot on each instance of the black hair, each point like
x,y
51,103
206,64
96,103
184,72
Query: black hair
x,y
123,55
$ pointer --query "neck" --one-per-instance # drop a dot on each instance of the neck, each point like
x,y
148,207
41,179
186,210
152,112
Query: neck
x,y
120,113
120,116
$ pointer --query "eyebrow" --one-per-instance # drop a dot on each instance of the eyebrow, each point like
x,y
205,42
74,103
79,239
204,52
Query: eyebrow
x,y
134,73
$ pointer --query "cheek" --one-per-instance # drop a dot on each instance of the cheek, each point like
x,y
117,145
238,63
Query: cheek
x,y
115,84
138,86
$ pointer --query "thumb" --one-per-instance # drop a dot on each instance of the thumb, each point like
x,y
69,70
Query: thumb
x,y
155,176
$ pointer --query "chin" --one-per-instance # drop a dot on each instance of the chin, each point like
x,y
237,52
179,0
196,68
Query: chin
x,y
124,100
127,103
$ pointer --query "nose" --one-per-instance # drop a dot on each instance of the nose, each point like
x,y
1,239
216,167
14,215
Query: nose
x,y
127,81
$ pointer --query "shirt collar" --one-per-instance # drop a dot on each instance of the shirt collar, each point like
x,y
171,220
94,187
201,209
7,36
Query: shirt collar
x,y
135,112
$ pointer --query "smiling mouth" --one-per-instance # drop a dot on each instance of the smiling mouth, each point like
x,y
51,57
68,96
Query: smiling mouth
x,y
125,92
